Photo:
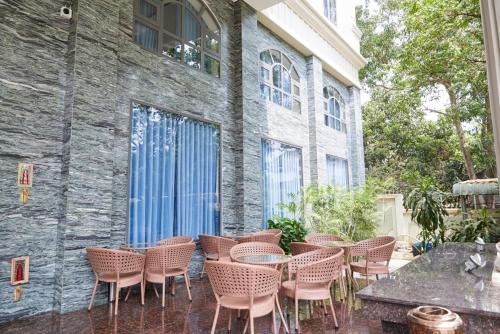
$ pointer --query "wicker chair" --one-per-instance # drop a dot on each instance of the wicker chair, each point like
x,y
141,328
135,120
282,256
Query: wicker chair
x,y
276,231
168,261
175,240
312,274
377,253
115,266
261,237
255,248
244,287
303,247
320,238
215,248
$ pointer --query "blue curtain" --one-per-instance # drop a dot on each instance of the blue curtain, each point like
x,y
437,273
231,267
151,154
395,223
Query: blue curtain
x,y
337,172
282,176
146,36
174,176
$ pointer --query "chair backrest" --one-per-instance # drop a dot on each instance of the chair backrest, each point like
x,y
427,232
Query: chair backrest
x,y
261,237
241,280
303,247
211,244
105,260
254,248
310,257
181,239
362,247
321,271
319,238
169,257
275,231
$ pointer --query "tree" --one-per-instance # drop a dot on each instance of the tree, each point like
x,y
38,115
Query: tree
x,y
415,47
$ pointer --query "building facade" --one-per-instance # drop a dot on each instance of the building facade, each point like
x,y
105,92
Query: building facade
x,y
200,115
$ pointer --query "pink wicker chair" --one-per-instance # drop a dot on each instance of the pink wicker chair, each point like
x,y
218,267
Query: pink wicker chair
x,y
168,261
276,231
244,287
261,237
303,247
115,266
215,248
320,238
255,248
312,274
377,253
175,240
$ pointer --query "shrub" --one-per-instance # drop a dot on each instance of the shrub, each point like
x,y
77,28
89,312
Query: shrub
x,y
468,230
293,230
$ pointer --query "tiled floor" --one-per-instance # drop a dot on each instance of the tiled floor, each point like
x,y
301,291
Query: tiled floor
x,y
181,316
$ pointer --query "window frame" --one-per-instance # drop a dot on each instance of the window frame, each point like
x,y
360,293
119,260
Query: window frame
x,y
335,159
330,10
332,94
158,26
269,82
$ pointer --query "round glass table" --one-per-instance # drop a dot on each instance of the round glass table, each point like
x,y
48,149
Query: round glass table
x,y
139,246
264,259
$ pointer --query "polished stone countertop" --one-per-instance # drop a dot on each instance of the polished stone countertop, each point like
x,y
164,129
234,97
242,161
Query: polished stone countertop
x,y
439,278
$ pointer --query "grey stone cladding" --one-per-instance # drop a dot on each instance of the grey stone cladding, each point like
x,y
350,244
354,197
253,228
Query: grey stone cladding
x,y
66,88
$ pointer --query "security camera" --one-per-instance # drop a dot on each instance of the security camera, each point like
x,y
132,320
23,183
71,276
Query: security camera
x,y
66,12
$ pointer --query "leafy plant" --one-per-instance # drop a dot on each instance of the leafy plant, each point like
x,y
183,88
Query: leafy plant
x,y
293,230
350,215
468,230
428,211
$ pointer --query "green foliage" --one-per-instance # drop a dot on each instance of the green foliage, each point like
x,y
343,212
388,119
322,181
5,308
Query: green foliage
x,y
468,230
417,49
428,211
350,215
293,230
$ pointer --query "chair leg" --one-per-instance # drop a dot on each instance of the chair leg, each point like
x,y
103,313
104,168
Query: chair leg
x,y
250,316
274,321
117,298
129,290
156,291
229,322
297,327
173,286
246,325
324,307
143,290
333,313
187,286
202,269
376,275
215,318
281,315
93,295
163,294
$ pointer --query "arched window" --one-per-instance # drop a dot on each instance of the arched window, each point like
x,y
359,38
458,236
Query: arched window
x,y
182,30
279,80
334,108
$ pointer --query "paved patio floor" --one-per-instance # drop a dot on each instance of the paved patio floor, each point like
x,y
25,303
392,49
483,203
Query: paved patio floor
x,y
181,316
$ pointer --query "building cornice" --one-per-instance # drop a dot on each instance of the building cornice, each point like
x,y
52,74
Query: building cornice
x,y
327,31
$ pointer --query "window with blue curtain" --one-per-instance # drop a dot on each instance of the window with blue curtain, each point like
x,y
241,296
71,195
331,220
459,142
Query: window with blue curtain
x,y
337,172
173,176
281,176
330,10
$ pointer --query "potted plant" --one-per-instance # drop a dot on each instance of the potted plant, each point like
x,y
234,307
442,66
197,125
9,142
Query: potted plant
x,y
428,211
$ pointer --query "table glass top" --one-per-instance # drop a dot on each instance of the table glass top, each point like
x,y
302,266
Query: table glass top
x,y
339,243
439,278
264,259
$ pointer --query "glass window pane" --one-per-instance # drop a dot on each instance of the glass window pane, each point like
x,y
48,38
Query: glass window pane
x,y
331,107
265,92
296,106
325,93
295,74
209,21
212,42
277,76
192,29
265,56
286,62
171,47
287,101
296,90
277,96
276,56
195,5
330,91
344,128
337,125
264,74
326,120
192,56
212,66
147,10
172,18
337,109
287,82
145,36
